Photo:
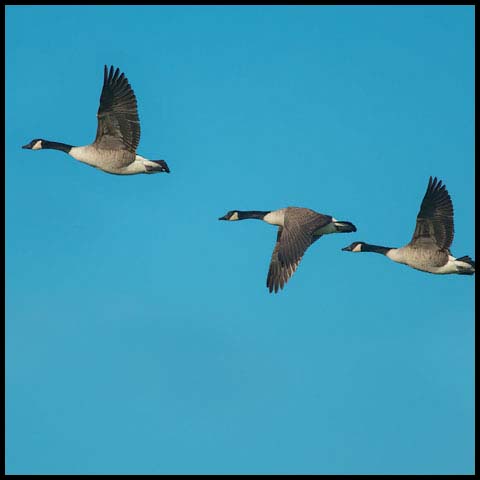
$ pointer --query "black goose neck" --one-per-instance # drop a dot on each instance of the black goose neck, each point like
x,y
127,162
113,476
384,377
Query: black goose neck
x,y
376,249
258,214
64,147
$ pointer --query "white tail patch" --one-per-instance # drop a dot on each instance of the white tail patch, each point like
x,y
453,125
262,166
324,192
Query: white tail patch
x,y
464,266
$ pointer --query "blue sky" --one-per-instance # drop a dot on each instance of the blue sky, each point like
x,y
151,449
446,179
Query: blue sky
x,y
140,336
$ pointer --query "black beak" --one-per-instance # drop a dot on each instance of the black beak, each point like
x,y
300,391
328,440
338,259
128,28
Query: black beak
x,y
223,218
347,249
28,146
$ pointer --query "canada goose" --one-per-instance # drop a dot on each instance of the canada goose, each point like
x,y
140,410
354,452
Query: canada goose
x,y
118,133
429,249
298,228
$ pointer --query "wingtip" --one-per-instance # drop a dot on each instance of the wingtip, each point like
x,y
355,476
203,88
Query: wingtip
x,y
434,183
111,74
273,287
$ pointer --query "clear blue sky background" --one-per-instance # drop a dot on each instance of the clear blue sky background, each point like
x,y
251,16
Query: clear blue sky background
x,y
140,336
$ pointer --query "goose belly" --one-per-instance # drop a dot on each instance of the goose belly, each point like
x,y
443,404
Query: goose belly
x,y
437,262
112,161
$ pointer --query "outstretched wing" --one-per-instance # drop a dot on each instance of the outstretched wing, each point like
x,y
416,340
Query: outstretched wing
x,y
118,122
434,226
278,274
292,241
297,236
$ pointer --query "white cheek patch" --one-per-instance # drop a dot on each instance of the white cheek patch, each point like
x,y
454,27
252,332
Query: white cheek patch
x,y
38,145
234,216
357,248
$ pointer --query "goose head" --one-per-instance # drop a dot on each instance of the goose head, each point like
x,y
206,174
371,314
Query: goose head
x,y
354,247
232,215
35,144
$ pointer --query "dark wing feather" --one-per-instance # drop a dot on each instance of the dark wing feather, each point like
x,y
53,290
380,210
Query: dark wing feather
x,y
292,242
278,273
118,122
274,278
434,226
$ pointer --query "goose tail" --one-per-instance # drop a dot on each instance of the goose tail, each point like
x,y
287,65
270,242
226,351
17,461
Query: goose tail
x,y
344,226
158,166
465,265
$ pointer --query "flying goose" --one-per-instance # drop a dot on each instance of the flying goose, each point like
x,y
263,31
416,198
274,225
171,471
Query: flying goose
x,y
298,228
429,249
118,133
